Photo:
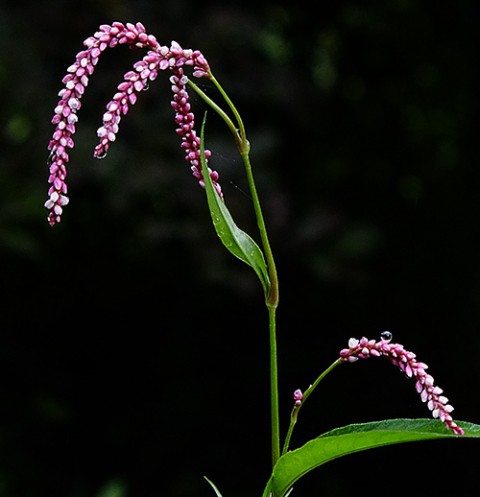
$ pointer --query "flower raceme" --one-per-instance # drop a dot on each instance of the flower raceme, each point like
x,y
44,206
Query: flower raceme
x,y
406,361
158,58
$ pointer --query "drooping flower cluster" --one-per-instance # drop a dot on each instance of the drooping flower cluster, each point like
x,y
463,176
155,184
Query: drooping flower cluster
x,y
158,58
184,118
407,362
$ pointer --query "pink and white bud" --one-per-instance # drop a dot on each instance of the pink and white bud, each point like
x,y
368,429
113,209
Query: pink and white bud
x,y
297,397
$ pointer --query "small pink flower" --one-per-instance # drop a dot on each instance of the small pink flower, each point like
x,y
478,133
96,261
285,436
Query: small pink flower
x,y
297,397
406,361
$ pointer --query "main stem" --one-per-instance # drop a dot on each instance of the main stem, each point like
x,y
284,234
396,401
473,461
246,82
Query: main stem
x,y
272,296
271,299
274,407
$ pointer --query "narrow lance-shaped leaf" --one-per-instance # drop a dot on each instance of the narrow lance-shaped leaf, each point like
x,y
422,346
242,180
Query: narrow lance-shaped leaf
x,y
215,489
233,238
355,438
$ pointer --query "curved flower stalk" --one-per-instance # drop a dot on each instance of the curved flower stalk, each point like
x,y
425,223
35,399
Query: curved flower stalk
x,y
158,58
406,361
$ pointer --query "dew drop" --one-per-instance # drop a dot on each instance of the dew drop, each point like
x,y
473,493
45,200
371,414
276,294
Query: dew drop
x,y
101,156
386,336
146,86
50,158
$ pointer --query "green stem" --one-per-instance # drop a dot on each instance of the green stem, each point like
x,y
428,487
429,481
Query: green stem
x,y
218,110
272,297
293,421
241,127
244,149
296,409
273,294
243,145
274,404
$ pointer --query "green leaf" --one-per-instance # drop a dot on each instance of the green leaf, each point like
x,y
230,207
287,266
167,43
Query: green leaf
x,y
233,238
215,489
355,438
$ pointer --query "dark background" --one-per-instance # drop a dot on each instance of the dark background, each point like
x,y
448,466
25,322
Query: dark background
x,y
133,347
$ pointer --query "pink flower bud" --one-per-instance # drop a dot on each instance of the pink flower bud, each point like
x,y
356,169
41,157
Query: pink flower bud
x,y
297,397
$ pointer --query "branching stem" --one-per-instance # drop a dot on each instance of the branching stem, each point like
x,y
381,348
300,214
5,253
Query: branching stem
x,y
272,296
296,409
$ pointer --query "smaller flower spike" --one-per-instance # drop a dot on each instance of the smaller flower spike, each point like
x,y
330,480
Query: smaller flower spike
x,y
407,362
184,118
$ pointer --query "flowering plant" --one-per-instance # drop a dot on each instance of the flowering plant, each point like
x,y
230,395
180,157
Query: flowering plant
x,y
288,464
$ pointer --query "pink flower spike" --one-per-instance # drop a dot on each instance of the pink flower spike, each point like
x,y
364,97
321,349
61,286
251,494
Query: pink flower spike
x,y
65,113
184,118
158,58
406,362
